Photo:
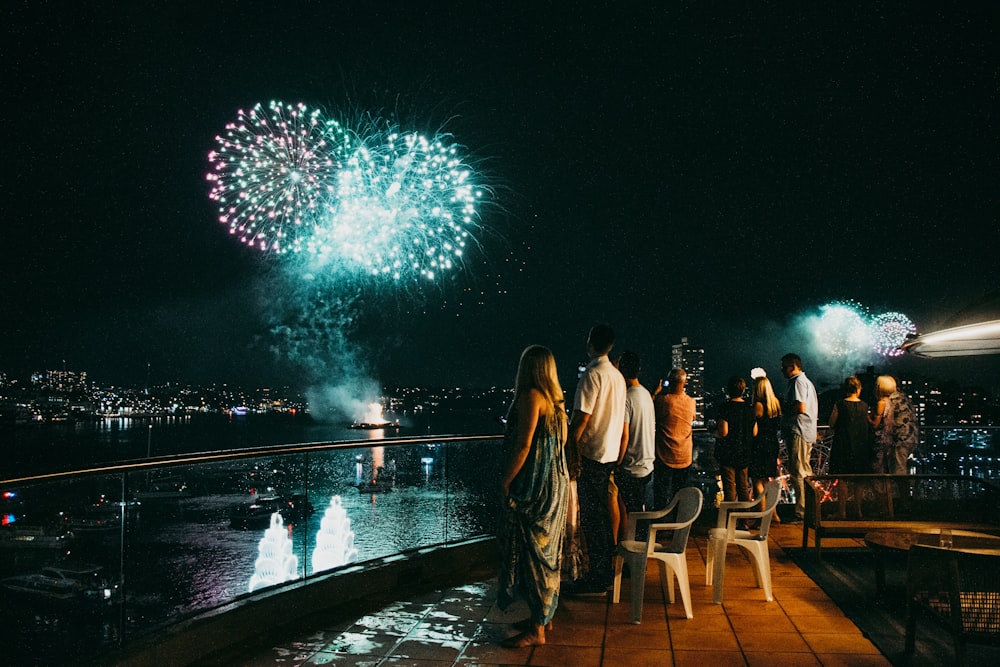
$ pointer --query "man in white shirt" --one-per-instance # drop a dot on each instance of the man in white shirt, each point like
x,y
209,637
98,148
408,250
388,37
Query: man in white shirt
x,y
596,444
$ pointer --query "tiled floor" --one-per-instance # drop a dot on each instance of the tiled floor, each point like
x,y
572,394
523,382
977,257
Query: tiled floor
x,y
462,626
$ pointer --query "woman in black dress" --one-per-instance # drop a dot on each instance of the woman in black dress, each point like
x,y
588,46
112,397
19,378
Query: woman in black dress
x,y
851,451
733,441
764,457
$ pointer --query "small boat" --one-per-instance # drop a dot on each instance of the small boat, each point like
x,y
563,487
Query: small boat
x,y
34,537
372,426
42,588
94,522
257,514
166,489
81,585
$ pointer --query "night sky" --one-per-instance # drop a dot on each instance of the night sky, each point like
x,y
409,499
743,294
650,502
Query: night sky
x,y
681,169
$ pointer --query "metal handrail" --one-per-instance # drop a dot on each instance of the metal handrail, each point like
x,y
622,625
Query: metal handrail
x,y
170,460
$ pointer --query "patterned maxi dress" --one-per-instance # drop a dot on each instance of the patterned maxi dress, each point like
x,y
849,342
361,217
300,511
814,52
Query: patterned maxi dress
x,y
532,523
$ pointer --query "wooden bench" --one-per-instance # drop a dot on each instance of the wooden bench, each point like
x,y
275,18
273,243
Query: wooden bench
x,y
853,505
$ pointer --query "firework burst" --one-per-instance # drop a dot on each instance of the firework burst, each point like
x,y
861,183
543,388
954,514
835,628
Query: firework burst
x,y
889,331
371,201
842,329
271,173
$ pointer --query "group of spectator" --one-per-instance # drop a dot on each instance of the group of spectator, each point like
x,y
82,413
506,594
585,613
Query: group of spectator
x,y
574,480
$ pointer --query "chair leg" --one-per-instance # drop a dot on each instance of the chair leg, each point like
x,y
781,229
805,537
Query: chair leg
x,y
762,570
718,550
684,584
616,591
710,556
667,580
637,571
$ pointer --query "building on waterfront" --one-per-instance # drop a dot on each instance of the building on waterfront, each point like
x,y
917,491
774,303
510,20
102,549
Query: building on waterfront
x,y
692,360
60,381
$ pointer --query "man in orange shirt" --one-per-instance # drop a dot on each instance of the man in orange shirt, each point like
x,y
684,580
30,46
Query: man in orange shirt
x,y
675,413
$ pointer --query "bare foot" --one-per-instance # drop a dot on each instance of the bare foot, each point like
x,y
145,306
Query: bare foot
x,y
524,639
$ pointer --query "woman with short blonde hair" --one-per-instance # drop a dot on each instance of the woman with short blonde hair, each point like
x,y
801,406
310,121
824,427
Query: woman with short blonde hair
x,y
895,423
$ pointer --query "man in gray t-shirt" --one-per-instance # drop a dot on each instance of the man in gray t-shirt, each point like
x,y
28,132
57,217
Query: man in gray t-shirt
x,y
635,468
799,416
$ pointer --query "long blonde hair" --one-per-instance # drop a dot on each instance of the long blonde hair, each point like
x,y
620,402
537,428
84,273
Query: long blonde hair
x,y
763,393
537,370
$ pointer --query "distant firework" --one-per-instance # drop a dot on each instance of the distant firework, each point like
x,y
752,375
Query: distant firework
x,y
846,328
842,329
373,201
890,330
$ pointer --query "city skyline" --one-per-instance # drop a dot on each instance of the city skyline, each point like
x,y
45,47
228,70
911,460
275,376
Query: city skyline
x,y
680,171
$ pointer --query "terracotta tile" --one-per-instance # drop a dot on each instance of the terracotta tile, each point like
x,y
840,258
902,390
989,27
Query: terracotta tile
x,y
652,615
493,654
852,660
387,624
576,634
755,606
700,658
415,662
778,658
811,608
839,643
444,631
637,635
428,650
835,624
715,623
786,642
336,659
723,641
362,643
637,657
564,656
753,623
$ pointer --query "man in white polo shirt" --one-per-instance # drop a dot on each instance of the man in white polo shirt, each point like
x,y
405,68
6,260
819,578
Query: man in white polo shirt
x,y
597,439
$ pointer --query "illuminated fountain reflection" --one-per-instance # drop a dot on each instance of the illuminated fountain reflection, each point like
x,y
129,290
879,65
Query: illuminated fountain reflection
x,y
335,539
275,563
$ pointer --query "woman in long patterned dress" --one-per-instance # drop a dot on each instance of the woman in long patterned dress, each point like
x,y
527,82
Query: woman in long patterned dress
x,y
534,488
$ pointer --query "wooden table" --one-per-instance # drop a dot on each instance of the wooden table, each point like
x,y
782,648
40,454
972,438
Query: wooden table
x,y
883,542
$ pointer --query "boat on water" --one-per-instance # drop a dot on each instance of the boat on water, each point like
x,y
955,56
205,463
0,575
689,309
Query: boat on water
x,y
17,536
372,426
94,520
256,514
373,420
65,584
164,489
40,587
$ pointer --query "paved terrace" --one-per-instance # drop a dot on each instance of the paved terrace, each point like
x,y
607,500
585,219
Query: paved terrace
x,y
462,626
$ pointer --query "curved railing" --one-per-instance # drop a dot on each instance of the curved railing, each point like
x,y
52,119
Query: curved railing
x,y
95,559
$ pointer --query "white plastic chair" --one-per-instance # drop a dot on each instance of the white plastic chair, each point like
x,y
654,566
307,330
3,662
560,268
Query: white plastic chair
x,y
670,554
755,544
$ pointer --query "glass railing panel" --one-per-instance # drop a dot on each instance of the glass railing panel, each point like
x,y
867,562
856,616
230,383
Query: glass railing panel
x,y
473,479
196,542
173,539
396,498
60,559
